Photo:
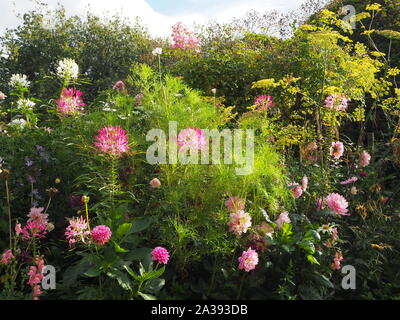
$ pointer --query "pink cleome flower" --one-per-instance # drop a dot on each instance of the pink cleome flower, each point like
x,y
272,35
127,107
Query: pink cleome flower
x,y
36,276
70,102
184,39
77,231
240,222
336,149
192,138
264,102
7,257
33,229
112,140
160,254
234,204
336,261
283,217
101,235
296,189
37,215
337,102
337,204
249,260
365,159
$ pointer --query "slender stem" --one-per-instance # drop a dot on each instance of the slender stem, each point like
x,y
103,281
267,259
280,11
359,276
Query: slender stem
x,y
241,286
87,215
9,213
48,204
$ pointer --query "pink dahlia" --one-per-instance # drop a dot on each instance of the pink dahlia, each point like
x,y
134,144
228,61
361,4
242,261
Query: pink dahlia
x,y
112,140
7,257
234,204
37,215
283,217
70,102
336,261
249,260
296,189
264,102
348,181
337,204
160,254
336,102
101,235
192,138
240,222
77,231
336,149
365,159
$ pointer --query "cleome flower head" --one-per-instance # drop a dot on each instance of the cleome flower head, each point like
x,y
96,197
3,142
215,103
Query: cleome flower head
x,y
67,69
77,231
70,102
19,81
112,140
264,102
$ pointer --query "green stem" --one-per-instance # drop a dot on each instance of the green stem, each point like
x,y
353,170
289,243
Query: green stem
x,y
241,286
9,213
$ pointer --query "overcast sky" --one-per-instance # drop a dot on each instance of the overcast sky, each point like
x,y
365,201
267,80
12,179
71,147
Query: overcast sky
x,y
157,15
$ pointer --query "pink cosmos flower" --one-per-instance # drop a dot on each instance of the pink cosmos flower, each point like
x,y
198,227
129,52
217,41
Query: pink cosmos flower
x,y
304,183
160,254
192,138
7,257
337,102
337,204
70,102
119,86
283,217
336,149
336,261
36,277
155,183
249,260
365,159
234,204
77,231
37,215
348,181
264,102
112,140
296,189
240,222
101,235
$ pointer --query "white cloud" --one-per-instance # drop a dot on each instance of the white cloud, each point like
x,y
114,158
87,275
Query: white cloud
x,y
158,24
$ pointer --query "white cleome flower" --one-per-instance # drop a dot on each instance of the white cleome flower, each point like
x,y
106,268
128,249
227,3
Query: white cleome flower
x,y
25,104
18,123
19,80
157,51
67,68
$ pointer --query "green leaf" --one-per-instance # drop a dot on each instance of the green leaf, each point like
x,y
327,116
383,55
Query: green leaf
x,y
147,296
131,273
122,279
140,224
93,272
123,229
118,248
312,259
153,274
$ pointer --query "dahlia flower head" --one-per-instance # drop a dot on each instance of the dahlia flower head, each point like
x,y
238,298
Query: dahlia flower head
x,y
7,257
337,102
337,203
112,140
249,260
234,204
240,222
283,217
67,68
19,81
101,234
264,102
192,138
296,189
160,255
184,39
70,102
336,149
77,231
364,159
